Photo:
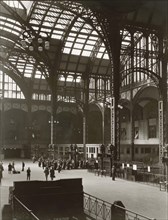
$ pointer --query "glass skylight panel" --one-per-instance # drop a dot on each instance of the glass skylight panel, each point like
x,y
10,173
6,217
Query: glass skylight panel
x,y
82,41
76,52
75,29
57,33
106,56
66,50
71,39
102,49
88,47
83,36
72,34
2,23
62,78
14,4
60,26
68,44
84,31
38,74
78,79
69,79
86,53
90,42
93,38
99,55
78,46
50,19
28,71
36,22
28,75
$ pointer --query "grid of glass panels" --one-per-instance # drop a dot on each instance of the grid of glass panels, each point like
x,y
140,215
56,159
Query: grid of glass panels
x,y
9,88
145,55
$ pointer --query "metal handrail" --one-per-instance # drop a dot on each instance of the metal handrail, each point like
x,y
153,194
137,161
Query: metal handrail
x,y
26,210
94,208
102,210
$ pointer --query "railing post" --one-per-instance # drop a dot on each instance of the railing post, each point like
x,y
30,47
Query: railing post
x,y
103,206
89,204
96,207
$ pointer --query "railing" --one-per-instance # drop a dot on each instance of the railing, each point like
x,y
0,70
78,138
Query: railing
x,y
98,209
21,212
94,208
143,177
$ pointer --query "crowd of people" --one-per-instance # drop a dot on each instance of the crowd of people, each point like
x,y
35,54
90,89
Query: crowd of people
x,y
12,170
50,166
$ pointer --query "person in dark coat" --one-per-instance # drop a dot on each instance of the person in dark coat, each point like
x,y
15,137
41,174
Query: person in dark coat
x,y
23,166
59,168
46,172
52,173
113,172
9,168
28,173
1,172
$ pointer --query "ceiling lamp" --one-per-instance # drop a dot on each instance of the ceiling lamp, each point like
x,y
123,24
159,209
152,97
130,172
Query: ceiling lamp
x,y
33,43
31,48
40,48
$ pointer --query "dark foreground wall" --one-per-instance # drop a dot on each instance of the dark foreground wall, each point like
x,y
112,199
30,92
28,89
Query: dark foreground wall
x,y
52,199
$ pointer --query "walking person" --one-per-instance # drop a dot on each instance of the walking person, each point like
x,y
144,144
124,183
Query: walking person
x,y
28,173
13,166
59,168
1,172
113,172
46,171
23,166
52,173
9,168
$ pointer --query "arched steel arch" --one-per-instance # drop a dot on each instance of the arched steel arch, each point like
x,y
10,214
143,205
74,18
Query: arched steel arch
x,y
155,77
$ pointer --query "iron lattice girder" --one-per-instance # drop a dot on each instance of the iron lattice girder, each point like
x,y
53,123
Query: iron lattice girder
x,y
84,13
156,77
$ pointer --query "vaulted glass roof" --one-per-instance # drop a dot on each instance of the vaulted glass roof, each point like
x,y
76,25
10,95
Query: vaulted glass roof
x,y
77,43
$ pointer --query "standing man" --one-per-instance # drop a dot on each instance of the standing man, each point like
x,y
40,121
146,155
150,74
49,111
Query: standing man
x,y
113,172
28,173
46,171
52,173
1,171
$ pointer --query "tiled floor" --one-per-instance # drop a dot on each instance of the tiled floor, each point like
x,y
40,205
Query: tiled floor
x,y
143,199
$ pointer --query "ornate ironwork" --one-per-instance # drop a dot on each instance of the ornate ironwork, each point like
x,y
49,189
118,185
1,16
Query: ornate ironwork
x,y
99,209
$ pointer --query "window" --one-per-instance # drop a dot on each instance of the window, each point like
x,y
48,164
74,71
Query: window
x,y
128,150
92,150
142,150
152,131
136,133
123,133
147,150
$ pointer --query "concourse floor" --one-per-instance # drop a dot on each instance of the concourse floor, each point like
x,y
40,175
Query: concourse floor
x,y
140,198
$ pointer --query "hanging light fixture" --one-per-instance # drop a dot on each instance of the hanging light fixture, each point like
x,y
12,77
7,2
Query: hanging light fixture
x,y
47,44
23,43
40,48
33,42
40,39
31,48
